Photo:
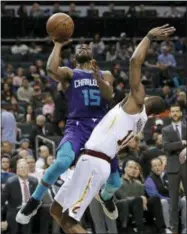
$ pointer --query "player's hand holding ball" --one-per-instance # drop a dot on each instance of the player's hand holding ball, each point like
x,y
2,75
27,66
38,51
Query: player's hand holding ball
x,y
161,32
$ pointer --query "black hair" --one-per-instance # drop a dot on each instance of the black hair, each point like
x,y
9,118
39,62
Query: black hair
x,y
153,159
82,58
175,105
157,105
5,156
130,159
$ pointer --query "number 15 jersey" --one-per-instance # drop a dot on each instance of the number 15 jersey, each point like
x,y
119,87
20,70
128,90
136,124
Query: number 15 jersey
x,y
115,130
83,96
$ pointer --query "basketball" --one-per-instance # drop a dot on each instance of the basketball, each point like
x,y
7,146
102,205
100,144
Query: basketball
x,y
60,26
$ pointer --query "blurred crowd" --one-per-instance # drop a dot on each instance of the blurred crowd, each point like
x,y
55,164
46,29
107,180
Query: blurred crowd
x,y
34,104
92,11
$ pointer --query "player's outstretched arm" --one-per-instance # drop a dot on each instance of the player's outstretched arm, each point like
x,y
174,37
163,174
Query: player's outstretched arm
x,y
138,58
105,84
53,64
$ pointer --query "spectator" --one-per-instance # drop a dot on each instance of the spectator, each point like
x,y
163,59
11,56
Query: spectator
x,y
174,141
102,224
8,125
24,145
43,154
25,92
131,199
182,101
157,128
118,73
181,45
37,99
165,59
22,155
5,163
39,129
158,142
56,8
6,148
19,77
36,11
29,115
18,48
169,95
141,12
163,159
48,161
155,185
173,12
49,106
111,11
17,192
73,11
9,71
6,92
92,11
97,46
34,49
111,54
33,170
33,74
5,169
131,12
122,41
132,150
169,44
22,11
40,67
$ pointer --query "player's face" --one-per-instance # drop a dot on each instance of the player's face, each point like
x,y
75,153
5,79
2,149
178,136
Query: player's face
x,y
84,53
175,113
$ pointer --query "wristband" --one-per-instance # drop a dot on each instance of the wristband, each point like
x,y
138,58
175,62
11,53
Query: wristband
x,y
150,37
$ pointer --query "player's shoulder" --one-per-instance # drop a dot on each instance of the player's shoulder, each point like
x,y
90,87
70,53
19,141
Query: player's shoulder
x,y
66,71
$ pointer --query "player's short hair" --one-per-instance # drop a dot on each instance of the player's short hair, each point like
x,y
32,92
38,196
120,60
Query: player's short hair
x,y
157,104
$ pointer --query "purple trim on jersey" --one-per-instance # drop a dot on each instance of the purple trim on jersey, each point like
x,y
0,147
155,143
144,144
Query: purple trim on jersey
x,y
114,165
77,132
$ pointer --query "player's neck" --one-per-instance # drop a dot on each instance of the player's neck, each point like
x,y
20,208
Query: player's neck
x,y
85,66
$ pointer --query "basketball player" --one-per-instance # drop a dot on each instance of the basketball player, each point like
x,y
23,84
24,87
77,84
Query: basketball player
x,y
87,94
113,132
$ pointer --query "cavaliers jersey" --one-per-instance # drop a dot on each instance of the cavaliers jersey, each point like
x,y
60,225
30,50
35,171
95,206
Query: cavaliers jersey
x,y
115,130
83,96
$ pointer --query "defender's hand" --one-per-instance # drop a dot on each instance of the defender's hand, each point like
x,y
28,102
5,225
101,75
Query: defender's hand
x,y
161,32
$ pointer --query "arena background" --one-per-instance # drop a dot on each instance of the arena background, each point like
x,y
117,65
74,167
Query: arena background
x,y
25,48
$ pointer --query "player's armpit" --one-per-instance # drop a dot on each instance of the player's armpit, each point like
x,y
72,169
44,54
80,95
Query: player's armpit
x,y
61,74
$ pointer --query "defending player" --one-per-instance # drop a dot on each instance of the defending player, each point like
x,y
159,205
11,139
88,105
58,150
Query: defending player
x,y
87,94
114,131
